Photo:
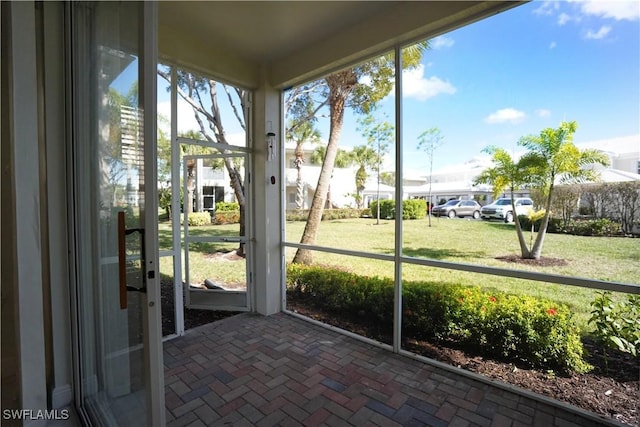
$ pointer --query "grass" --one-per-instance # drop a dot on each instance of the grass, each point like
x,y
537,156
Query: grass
x,y
462,241
478,242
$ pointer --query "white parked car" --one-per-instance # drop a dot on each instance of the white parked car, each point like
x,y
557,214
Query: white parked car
x,y
502,209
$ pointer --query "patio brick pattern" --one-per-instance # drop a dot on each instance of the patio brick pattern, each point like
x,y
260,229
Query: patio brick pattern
x,y
251,370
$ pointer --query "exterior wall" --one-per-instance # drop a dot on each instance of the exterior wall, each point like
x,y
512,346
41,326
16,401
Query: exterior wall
x,y
24,190
628,162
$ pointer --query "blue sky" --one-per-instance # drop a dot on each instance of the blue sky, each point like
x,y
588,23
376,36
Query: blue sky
x,y
521,71
514,74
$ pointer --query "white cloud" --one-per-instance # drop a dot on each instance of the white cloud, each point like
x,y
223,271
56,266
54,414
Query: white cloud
x,y
618,10
547,8
563,18
506,115
600,34
416,85
441,42
543,112
552,45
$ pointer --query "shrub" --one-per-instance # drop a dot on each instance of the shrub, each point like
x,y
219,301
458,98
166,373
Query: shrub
x,y
593,227
199,218
227,206
387,209
617,325
414,209
539,332
226,217
411,209
578,227
327,214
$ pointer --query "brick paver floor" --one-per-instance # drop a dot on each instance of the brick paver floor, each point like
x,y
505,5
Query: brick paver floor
x,y
251,370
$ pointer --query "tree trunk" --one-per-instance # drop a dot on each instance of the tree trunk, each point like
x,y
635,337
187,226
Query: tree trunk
x,y
238,190
299,183
524,250
536,250
340,86
188,203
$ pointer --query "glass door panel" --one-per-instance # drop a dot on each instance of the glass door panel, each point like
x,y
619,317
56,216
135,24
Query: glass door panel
x,y
109,210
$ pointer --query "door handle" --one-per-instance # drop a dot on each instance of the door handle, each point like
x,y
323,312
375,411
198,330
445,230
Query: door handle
x,y
122,259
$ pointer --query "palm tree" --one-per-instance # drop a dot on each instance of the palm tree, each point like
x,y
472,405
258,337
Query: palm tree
x,y
505,175
303,132
366,158
552,158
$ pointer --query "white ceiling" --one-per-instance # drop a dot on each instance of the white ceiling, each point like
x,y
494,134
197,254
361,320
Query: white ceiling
x,y
289,41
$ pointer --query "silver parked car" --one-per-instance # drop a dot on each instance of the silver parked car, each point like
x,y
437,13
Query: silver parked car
x,y
458,208
501,209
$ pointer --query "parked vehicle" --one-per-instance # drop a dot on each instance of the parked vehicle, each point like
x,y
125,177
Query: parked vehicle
x,y
458,208
502,209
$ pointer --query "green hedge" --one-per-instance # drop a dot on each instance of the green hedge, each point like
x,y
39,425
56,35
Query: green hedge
x,y
539,332
227,206
327,214
579,227
199,218
411,209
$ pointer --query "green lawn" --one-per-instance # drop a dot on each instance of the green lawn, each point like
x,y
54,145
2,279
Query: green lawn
x,y
478,242
463,241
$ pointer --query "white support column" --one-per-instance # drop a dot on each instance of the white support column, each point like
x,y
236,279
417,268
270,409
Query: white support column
x,y
267,203
26,193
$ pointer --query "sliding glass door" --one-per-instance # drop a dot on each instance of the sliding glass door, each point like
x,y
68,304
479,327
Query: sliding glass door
x,y
115,213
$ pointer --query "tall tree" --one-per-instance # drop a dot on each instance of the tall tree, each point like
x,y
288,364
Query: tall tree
x,y
379,136
361,87
195,89
428,141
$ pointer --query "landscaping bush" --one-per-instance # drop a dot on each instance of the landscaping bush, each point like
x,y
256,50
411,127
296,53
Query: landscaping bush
x,y
539,332
226,217
593,227
579,227
199,218
387,209
617,325
414,209
227,206
327,214
411,209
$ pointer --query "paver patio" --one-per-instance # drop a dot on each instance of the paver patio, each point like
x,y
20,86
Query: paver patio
x,y
251,370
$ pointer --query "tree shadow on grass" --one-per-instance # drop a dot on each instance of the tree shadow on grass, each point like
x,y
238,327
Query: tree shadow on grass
x,y
165,240
434,253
